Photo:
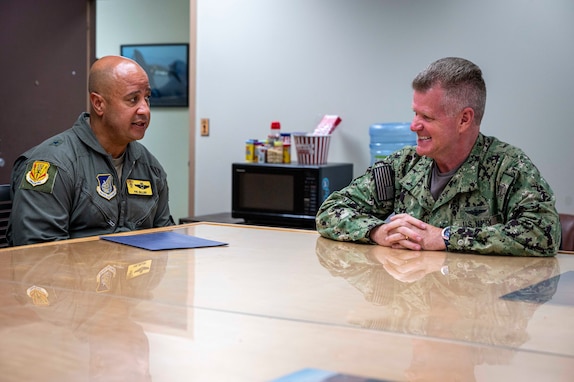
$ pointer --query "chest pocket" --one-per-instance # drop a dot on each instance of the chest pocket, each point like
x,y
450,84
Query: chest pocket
x,y
141,209
491,209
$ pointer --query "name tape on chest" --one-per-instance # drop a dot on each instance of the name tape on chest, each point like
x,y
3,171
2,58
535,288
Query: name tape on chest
x,y
139,187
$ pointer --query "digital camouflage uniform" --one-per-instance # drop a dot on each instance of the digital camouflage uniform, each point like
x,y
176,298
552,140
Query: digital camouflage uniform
x,y
496,203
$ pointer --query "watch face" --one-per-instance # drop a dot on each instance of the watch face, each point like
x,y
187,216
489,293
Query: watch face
x,y
446,233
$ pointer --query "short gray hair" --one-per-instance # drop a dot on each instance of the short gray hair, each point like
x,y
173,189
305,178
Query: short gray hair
x,y
462,81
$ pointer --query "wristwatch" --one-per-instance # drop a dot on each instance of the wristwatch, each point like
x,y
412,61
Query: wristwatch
x,y
446,236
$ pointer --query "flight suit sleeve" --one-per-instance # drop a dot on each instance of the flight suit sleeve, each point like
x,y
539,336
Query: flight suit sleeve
x,y
163,216
41,203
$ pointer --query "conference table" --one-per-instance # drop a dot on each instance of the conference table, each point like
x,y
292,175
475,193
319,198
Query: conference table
x,y
276,304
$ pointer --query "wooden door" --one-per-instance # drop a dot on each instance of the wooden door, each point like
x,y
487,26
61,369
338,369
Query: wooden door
x,y
46,50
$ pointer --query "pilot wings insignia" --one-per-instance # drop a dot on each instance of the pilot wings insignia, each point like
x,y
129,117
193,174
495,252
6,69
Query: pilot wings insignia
x,y
139,187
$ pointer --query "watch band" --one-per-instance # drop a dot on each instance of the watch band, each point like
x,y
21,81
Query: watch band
x,y
446,236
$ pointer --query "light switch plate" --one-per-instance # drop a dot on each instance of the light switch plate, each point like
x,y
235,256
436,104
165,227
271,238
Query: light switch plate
x,y
204,127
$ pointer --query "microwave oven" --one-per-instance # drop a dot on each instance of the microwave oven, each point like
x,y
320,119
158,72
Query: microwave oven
x,y
284,194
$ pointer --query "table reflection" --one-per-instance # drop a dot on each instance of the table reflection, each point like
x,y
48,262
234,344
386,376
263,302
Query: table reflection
x,y
90,294
442,295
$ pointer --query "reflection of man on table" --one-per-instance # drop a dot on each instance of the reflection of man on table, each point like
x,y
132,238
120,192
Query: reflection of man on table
x,y
442,295
88,293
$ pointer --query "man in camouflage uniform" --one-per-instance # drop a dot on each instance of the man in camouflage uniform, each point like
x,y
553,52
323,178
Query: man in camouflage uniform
x,y
457,190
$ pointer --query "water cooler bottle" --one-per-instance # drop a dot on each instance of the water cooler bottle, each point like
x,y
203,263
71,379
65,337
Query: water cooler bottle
x,y
389,137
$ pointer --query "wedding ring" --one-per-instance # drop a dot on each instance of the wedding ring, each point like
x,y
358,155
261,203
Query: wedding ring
x,y
406,237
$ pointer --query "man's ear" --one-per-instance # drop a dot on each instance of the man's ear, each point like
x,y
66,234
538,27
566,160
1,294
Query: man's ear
x,y
466,119
97,102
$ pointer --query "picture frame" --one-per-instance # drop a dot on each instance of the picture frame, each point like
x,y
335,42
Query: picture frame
x,y
167,67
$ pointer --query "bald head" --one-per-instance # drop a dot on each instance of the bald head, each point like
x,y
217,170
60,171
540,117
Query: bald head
x,y
119,102
108,70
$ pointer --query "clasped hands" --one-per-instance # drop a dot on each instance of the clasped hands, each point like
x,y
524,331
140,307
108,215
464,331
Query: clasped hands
x,y
408,266
406,232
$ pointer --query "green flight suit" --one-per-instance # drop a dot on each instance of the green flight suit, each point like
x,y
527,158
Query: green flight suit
x,y
67,187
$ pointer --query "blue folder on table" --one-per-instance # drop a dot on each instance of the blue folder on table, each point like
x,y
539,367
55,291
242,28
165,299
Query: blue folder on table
x,y
159,241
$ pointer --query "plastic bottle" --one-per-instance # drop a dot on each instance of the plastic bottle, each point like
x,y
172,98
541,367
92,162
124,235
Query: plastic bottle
x,y
256,154
389,137
286,153
286,139
275,132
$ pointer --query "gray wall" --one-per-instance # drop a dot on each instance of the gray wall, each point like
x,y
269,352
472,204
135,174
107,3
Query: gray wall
x,y
295,60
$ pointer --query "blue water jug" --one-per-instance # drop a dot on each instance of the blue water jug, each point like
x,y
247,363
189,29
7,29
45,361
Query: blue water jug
x,y
389,137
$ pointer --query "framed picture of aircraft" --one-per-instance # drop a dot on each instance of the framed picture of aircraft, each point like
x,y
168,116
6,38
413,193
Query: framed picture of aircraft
x,y
167,68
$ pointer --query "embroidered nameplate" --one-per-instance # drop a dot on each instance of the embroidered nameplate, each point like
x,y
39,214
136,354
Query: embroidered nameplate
x,y
139,187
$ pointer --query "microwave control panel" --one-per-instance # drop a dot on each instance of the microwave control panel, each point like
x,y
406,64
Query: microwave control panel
x,y
310,204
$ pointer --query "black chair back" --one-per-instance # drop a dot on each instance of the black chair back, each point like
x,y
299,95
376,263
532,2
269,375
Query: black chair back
x,y
5,209
567,223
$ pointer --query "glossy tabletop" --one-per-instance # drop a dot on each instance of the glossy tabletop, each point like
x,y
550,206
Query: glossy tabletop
x,y
276,301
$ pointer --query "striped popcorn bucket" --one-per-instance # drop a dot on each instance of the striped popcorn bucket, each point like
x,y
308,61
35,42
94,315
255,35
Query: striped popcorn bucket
x,y
311,149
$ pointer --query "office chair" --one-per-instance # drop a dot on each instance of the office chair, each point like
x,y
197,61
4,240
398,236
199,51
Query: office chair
x,y
567,222
5,208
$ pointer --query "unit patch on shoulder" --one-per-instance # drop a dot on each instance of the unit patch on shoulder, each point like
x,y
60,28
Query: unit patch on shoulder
x,y
40,176
104,279
38,295
106,188
139,187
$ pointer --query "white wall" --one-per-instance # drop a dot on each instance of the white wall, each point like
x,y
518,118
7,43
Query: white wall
x,y
149,21
295,60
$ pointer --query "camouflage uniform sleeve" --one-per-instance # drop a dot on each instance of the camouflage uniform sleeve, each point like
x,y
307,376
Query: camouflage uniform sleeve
x,y
529,223
351,213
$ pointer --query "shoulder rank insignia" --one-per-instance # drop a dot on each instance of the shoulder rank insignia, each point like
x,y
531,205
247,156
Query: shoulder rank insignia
x,y
139,187
106,188
40,176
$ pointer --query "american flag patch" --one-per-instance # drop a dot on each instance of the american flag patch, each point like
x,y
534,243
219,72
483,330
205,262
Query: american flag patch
x,y
384,182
